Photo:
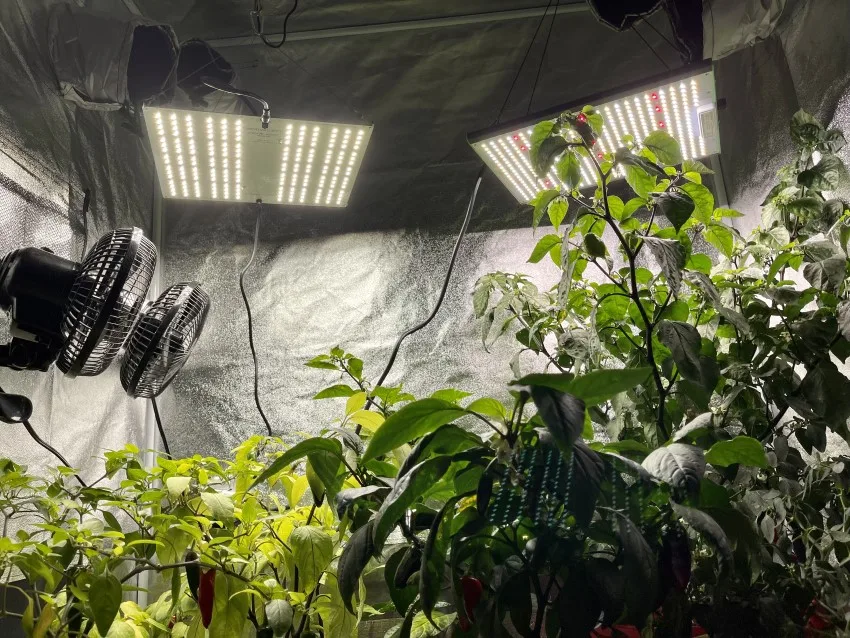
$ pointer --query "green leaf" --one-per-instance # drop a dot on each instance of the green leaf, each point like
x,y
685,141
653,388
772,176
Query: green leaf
x,y
353,561
515,601
593,388
744,450
626,158
543,246
557,212
594,246
177,485
639,566
221,505
720,237
422,628
434,557
664,147
335,392
406,490
703,201
326,466
684,343
805,130
298,452
312,550
723,213
488,407
411,422
676,206
826,275
709,528
671,256
695,166
541,131
843,316
677,464
641,182
617,208
569,170
542,156
480,298
541,204
279,616
700,263
451,395
105,600
824,176
447,439
562,413
230,612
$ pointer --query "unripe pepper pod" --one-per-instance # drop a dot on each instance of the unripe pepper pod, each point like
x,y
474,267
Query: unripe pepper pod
x,y
193,573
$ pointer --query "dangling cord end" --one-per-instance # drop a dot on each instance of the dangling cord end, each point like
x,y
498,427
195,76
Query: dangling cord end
x,y
159,427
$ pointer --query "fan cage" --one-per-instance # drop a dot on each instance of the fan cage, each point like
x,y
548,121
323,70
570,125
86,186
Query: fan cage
x,y
162,340
105,300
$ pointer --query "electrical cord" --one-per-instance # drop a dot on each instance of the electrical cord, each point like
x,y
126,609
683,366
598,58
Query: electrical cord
x,y
257,24
35,437
542,58
225,88
251,321
464,226
649,46
159,426
86,205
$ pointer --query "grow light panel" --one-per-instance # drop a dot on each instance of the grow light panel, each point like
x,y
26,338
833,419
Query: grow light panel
x,y
684,104
206,156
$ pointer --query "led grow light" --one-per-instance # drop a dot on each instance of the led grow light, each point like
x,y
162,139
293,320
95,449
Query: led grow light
x,y
684,104
223,157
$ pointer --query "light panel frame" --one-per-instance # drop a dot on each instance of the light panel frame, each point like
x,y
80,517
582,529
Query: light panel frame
x,y
205,156
684,103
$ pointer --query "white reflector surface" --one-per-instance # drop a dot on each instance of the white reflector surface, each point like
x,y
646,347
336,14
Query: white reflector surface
x,y
207,156
685,108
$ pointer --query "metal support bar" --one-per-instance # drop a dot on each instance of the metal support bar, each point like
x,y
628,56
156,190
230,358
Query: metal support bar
x,y
404,25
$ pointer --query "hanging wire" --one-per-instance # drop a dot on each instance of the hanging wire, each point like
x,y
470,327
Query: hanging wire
x,y
159,426
257,24
660,34
650,47
542,58
251,321
86,205
35,437
521,65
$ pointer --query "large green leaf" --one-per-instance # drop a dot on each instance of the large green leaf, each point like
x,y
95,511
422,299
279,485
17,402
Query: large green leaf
x,y
353,561
684,343
405,492
105,600
338,621
544,245
671,256
824,176
230,612
312,551
677,464
541,204
447,439
569,170
593,388
279,616
335,392
640,571
703,201
708,527
676,206
220,504
542,156
562,413
298,452
744,450
664,147
826,275
805,130
411,422
434,557
721,237
641,182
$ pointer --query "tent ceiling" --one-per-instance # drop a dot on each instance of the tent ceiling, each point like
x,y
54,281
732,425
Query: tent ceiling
x,y
423,90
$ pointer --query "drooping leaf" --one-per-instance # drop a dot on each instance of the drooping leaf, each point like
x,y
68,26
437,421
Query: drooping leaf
x,y
346,498
744,450
544,245
625,157
677,464
593,246
664,147
826,275
335,392
542,156
411,422
562,413
639,566
684,342
676,206
843,315
671,256
406,490
695,166
105,600
279,615
702,282
312,551
824,176
593,388
569,170
709,528
447,439
541,204
353,561
296,453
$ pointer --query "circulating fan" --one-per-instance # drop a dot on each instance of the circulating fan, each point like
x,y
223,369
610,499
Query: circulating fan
x,y
80,316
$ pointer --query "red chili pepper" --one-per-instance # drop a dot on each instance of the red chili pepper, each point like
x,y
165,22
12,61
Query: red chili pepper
x,y
472,591
206,596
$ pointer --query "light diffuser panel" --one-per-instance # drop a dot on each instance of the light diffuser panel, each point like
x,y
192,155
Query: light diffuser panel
x,y
685,105
206,156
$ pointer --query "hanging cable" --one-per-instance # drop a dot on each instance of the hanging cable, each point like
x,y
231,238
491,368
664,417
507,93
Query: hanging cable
x,y
159,426
86,205
257,24
35,437
650,47
661,35
464,226
542,58
251,321
226,88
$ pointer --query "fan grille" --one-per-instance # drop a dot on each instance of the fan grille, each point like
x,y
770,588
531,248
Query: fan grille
x,y
162,340
105,301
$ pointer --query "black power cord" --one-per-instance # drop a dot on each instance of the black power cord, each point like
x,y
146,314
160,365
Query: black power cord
x,y
461,234
257,24
251,320
159,426
35,437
